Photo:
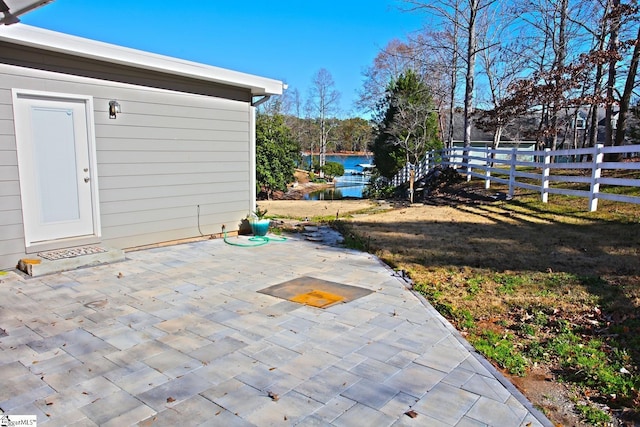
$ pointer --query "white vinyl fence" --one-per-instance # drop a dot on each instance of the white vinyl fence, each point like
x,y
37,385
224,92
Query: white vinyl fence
x,y
546,169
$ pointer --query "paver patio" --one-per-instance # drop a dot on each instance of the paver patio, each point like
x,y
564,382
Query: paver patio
x,y
179,335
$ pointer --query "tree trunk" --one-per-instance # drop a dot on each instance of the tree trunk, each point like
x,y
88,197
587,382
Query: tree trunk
x,y
454,81
626,95
497,134
470,76
323,147
561,53
412,179
575,131
611,80
593,121
469,88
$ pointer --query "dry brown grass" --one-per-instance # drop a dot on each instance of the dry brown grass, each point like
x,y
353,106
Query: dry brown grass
x,y
316,209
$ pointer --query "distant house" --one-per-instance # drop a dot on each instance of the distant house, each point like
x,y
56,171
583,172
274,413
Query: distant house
x,y
104,144
573,129
512,137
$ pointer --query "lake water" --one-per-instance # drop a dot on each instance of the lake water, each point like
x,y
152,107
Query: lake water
x,y
350,185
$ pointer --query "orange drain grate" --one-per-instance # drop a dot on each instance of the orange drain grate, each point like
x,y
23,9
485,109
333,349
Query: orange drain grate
x,y
317,298
315,292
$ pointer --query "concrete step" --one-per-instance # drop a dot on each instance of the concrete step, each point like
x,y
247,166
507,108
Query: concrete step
x,y
69,259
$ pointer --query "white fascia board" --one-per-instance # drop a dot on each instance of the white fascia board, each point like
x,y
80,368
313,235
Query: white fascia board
x,y
77,46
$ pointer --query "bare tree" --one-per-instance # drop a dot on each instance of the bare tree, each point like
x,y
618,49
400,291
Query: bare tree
x,y
599,36
501,62
462,16
613,30
625,100
394,59
455,54
324,99
440,57
547,36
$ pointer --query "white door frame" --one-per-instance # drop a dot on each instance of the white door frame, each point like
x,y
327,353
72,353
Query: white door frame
x,y
25,164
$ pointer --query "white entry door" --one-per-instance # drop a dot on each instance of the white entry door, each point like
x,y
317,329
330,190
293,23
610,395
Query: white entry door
x,y
56,161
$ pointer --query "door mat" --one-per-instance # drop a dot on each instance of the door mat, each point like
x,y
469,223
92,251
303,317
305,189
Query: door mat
x,y
71,253
315,292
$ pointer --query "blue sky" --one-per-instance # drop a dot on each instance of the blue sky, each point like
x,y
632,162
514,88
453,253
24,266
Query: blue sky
x,y
288,40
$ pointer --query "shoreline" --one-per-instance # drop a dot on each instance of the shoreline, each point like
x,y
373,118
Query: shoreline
x,y
342,153
300,187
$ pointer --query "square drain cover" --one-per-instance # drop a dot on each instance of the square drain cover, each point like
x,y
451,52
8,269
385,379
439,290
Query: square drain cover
x,y
315,292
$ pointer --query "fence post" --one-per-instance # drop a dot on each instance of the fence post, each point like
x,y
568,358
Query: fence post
x,y
544,191
487,171
512,172
424,166
596,171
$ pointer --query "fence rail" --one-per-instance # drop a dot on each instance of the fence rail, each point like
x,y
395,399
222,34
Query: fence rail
x,y
512,166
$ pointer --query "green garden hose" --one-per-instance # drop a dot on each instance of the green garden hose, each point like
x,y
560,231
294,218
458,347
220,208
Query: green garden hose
x,y
259,241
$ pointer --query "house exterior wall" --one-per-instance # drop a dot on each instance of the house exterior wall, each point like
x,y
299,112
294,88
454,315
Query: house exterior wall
x,y
170,161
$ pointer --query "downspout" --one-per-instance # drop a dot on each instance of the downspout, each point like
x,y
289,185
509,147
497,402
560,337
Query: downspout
x,y
259,101
253,196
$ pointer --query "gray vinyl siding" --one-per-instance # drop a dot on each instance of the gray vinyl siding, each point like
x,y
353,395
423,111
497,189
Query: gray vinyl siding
x,y
167,157
11,229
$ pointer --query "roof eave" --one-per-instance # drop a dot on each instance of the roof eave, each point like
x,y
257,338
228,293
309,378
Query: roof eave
x,y
76,46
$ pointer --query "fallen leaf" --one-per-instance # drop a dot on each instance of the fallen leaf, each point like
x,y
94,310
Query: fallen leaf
x,y
170,399
273,396
411,414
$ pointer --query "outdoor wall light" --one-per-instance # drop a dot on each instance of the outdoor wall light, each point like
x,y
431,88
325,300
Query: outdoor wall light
x,y
114,107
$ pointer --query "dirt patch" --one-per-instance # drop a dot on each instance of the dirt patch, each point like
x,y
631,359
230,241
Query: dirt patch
x,y
309,209
541,387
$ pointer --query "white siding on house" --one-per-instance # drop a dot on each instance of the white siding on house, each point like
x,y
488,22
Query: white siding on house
x,y
11,230
165,157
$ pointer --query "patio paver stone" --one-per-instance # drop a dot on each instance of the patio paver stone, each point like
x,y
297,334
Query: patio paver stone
x,y
180,335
